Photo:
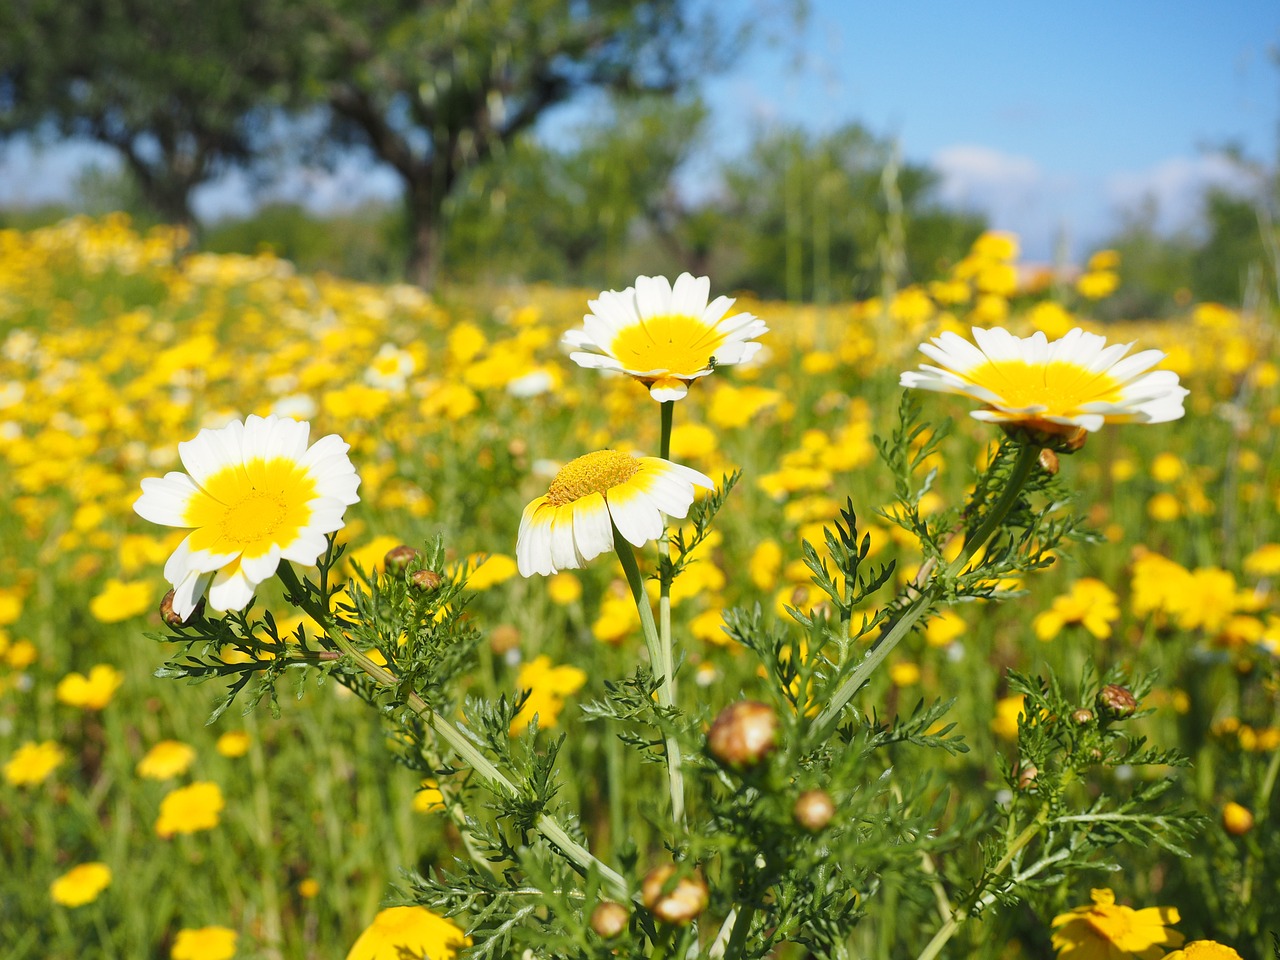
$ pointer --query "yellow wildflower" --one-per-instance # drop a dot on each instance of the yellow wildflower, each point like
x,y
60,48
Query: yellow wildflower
x,y
1204,950
1090,603
400,931
1005,722
233,744
166,760
547,686
204,943
33,762
93,692
1107,931
190,809
80,885
120,600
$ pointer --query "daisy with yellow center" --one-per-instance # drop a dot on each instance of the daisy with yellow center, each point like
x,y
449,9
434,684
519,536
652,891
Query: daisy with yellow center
x,y
254,494
590,496
1106,930
1064,387
663,335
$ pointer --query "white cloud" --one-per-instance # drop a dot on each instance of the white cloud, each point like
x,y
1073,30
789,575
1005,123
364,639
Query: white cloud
x,y
1175,186
1016,194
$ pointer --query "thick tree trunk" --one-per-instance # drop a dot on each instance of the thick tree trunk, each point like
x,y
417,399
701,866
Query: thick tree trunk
x,y
422,211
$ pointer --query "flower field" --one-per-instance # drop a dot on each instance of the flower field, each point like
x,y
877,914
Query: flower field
x,y
147,816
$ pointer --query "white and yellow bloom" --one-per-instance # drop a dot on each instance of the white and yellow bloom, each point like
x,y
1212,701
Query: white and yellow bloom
x,y
664,336
1060,387
591,495
254,494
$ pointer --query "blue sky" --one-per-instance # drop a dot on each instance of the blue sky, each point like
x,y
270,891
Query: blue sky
x,y
1047,117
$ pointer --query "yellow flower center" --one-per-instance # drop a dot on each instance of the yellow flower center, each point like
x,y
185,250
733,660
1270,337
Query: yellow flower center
x,y
1059,386
677,344
593,473
250,508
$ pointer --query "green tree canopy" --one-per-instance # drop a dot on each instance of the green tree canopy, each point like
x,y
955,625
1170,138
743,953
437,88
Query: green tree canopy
x,y
182,89
436,90
812,212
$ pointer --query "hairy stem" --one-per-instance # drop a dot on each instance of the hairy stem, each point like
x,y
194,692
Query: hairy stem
x,y
658,659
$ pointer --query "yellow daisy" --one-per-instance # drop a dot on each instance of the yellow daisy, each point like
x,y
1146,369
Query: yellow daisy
x,y
1108,931
80,885
1071,385
663,335
254,494
590,496
409,931
204,943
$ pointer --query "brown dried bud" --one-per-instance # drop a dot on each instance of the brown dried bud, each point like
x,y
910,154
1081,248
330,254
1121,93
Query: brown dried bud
x,y
504,638
1117,701
743,734
170,616
1027,776
678,902
426,580
1049,462
814,810
1082,716
609,919
398,558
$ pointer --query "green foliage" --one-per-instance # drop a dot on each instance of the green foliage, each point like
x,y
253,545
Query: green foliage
x,y
811,209
182,90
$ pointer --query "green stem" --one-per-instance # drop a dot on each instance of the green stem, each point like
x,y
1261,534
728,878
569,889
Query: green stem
x,y
450,734
664,627
741,927
948,929
658,657
664,445
826,721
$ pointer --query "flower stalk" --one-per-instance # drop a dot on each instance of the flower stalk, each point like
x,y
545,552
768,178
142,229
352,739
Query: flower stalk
x,y
659,657
450,734
826,721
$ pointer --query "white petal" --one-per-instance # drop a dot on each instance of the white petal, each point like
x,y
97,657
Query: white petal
x,y
258,569
165,499
592,527
564,553
188,592
635,515
668,388
230,589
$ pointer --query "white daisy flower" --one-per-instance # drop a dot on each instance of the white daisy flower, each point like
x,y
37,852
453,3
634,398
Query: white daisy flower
x,y
591,495
1074,384
254,494
664,336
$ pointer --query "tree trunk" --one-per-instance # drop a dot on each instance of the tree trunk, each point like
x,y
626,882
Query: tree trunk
x,y
422,211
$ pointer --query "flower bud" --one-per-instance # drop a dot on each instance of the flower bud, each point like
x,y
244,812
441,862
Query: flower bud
x,y
504,638
426,580
743,734
398,558
1083,716
170,616
1236,820
609,919
1049,462
814,810
1027,776
1116,701
684,901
